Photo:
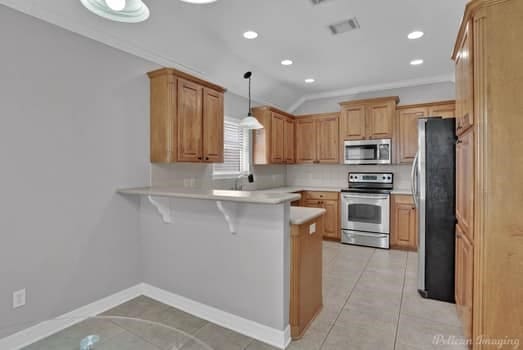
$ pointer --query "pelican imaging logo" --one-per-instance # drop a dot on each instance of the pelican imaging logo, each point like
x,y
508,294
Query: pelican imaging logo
x,y
499,343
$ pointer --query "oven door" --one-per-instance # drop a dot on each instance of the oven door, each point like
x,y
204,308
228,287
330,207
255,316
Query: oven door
x,y
369,212
367,152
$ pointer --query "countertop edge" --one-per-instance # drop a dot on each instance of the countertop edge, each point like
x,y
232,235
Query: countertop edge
x,y
207,196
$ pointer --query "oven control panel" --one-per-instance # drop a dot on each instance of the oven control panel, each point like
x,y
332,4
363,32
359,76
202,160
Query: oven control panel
x,y
378,178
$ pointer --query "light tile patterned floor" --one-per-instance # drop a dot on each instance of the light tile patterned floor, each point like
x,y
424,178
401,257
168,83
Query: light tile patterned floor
x,y
370,302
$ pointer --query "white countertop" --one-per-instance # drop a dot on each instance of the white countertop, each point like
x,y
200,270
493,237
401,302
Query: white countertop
x,y
292,189
256,197
300,215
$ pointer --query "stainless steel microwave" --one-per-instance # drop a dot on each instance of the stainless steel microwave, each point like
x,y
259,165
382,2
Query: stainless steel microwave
x,y
367,152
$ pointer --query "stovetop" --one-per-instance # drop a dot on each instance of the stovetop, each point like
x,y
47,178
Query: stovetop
x,y
366,190
370,183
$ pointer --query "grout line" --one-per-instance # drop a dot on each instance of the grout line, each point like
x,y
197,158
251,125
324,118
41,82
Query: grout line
x,y
401,301
347,300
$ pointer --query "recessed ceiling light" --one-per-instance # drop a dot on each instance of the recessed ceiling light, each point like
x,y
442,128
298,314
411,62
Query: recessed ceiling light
x,y
129,11
415,35
286,62
310,80
250,34
199,1
416,62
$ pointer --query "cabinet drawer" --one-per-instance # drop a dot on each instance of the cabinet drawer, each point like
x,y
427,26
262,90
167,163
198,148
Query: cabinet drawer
x,y
321,195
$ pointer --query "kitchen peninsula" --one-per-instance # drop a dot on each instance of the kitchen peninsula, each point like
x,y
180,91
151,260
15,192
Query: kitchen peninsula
x,y
224,253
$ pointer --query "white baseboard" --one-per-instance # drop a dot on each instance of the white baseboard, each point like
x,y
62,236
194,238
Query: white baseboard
x,y
44,329
274,337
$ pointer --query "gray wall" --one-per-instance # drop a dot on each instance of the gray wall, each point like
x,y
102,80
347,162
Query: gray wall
x,y
73,128
246,274
408,95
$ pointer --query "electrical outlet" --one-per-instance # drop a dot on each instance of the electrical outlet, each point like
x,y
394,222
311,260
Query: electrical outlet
x,y
312,228
19,298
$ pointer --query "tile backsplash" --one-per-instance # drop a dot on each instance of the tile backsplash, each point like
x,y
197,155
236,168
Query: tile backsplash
x,y
336,174
270,176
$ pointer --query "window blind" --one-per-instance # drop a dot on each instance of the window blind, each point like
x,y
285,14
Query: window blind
x,y
235,154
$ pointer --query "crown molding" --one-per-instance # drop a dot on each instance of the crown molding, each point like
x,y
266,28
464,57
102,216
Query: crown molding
x,y
371,88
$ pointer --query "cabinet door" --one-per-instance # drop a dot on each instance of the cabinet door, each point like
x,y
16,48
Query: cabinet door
x,y
379,120
189,121
305,140
445,111
352,123
331,220
465,183
327,139
465,84
212,126
404,233
408,133
464,280
277,138
289,141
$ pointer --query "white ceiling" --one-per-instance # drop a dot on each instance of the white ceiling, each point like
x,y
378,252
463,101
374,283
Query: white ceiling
x,y
206,40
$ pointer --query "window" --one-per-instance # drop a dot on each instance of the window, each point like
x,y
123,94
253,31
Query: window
x,y
236,151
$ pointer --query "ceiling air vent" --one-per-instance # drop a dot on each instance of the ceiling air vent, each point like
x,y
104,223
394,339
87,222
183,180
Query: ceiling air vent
x,y
345,26
317,2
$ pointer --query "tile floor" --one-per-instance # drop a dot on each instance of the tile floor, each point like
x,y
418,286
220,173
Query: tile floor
x,y
370,302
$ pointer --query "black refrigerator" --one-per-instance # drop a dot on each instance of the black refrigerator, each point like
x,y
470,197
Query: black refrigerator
x,y
434,191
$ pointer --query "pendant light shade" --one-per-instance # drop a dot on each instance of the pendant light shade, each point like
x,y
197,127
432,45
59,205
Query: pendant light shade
x,y
250,122
128,11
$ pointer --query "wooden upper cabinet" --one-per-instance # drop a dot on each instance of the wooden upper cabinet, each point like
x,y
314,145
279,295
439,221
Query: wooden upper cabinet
x,y
305,140
368,119
190,124
317,138
407,135
213,124
465,183
379,120
274,144
465,83
352,122
327,138
277,138
444,110
186,118
404,226
289,149
406,129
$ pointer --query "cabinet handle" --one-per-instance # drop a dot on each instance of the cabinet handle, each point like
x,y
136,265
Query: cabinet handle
x,y
206,158
199,158
458,142
460,127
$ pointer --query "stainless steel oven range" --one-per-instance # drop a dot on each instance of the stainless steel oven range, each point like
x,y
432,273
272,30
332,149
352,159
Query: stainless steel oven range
x,y
365,209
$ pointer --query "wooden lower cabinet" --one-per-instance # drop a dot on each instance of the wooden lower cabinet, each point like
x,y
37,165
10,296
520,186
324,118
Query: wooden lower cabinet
x,y
464,280
306,294
330,202
404,223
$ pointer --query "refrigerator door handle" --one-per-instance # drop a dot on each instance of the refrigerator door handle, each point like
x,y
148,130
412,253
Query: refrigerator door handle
x,y
414,180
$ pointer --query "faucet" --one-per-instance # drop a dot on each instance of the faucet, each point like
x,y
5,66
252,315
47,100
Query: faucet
x,y
238,185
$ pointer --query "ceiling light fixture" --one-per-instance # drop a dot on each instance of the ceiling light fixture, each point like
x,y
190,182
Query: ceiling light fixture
x,y
310,80
250,34
250,122
128,11
199,1
415,35
416,62
286,62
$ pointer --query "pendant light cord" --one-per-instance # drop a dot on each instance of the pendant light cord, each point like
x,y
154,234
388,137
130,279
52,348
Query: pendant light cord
x,y
250,96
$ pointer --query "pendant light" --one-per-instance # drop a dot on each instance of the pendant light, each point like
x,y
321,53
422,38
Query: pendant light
x,y
250,122
128,11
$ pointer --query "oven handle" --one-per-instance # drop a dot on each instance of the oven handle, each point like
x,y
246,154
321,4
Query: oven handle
x,y
366,196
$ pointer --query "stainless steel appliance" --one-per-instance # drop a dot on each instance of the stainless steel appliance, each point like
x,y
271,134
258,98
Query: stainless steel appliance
x,y
365,209
367,152
433,187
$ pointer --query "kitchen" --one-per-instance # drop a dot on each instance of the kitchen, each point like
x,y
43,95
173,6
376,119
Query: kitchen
x,y
241,223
